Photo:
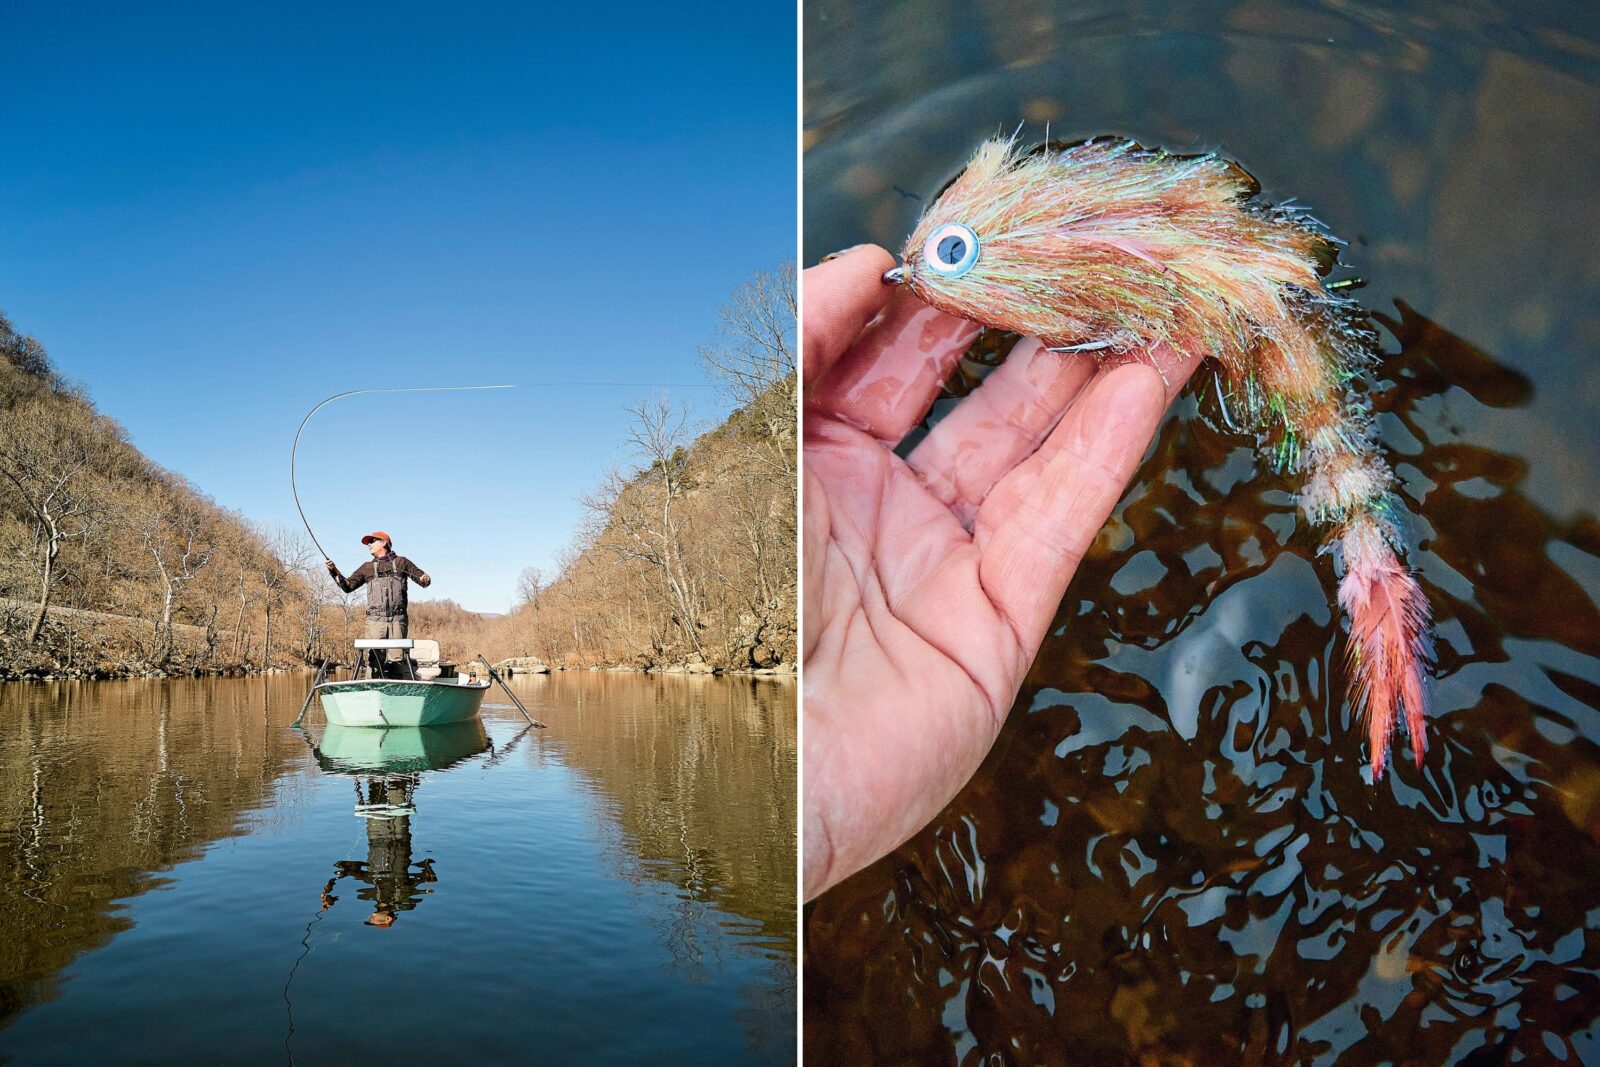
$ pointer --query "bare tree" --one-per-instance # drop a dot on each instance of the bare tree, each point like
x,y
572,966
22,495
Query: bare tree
x,y
531,585
571,593
28,356
48,453
754,346
644,517
177,529
243,571
753,356
276,571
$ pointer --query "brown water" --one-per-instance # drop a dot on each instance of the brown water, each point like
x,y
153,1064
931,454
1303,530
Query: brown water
x,y
1173,854
185,879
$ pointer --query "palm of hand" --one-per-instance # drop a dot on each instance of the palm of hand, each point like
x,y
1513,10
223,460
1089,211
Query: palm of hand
x,y
903,659
930,581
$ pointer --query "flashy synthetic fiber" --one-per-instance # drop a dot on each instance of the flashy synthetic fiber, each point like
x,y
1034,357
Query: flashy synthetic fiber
x,y
1107,247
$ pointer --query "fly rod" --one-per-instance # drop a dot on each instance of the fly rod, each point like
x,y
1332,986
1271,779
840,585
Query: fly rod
x,y
295,448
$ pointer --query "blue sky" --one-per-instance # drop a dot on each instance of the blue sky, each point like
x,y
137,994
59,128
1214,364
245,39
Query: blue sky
x,y
216,215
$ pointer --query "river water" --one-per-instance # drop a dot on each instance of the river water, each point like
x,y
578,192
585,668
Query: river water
x,y
184,878
1173,854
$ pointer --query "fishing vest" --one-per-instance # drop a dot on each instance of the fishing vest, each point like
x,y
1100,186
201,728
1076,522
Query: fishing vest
x,y
386,585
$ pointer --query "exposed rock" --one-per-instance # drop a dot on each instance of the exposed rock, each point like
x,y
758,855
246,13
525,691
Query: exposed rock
x,y
522,665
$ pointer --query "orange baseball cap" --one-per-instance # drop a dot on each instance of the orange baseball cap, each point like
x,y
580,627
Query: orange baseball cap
x,y
378,535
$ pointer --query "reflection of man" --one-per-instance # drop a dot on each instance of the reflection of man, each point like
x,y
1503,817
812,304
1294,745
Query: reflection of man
x,y
392,885
385,576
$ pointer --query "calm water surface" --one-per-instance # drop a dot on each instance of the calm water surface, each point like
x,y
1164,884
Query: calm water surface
x,y
1173,854
185,879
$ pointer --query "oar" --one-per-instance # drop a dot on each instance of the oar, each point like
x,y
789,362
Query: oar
x,y
496,757
490,667
322,673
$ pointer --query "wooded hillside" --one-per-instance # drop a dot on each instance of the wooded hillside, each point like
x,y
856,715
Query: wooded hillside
x,y
687,557
111,565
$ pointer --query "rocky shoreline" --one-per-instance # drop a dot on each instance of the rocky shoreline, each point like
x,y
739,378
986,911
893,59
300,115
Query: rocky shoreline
x,y
131,671
125,672
531,665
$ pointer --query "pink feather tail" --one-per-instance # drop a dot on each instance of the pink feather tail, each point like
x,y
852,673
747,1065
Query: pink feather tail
x,y
1389,648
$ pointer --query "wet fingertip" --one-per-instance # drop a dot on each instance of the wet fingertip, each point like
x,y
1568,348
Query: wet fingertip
x,y
878,252
1121,384
1141,381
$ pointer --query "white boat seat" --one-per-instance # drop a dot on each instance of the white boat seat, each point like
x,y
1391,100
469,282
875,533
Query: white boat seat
x,y
384,642
426,654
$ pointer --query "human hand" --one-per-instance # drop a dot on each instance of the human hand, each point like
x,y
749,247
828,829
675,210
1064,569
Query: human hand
x,y
333,568
929,583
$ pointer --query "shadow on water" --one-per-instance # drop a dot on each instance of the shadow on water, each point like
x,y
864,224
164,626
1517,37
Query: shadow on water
x,y
1173,854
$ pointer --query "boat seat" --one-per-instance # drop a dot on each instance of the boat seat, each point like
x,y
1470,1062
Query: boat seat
x,y
384,642
426,653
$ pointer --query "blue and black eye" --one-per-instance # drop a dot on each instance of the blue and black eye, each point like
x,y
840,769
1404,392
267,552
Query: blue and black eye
x,y
952,250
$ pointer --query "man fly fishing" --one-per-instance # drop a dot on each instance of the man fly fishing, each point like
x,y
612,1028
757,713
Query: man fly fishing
x,y
385,576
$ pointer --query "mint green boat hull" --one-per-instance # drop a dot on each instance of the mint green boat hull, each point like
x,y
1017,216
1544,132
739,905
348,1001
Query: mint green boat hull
x,y
389,702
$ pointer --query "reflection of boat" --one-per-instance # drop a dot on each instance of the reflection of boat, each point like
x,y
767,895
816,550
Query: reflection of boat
x,y
425,696
347,750
388,766
393,881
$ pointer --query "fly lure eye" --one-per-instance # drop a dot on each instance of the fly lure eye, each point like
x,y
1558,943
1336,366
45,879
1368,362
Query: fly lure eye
x,y
952,250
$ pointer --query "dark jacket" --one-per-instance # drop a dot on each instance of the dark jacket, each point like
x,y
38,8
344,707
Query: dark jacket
x,y
385,580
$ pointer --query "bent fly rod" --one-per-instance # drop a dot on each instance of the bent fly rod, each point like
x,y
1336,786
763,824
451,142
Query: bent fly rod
x,y
294,448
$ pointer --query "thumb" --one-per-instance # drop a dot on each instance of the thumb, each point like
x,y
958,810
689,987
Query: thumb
x,y
841,295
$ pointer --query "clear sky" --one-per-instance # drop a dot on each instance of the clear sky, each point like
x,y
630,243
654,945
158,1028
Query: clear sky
x,y
216,215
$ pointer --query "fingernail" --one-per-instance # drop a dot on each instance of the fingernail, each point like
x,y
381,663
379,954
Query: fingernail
x,y
842,252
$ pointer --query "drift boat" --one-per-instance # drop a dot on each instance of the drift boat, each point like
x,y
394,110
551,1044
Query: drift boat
x,y
429,693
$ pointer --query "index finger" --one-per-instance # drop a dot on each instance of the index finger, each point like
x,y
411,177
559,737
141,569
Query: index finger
x,y
839,297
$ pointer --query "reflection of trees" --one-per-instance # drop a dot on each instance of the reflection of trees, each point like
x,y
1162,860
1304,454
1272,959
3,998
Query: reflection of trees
x,y
701,776
100,786
1174,831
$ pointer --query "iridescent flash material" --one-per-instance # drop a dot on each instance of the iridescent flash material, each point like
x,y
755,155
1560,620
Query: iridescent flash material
x,y
1108,248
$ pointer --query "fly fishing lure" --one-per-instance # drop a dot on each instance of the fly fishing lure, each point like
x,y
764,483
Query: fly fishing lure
x,y
1109,248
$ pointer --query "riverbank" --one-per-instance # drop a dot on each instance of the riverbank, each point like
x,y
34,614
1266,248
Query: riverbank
x,y
89,645
515,665
106,674
785,672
